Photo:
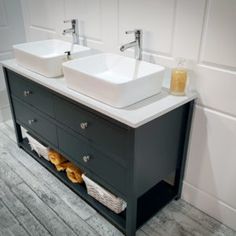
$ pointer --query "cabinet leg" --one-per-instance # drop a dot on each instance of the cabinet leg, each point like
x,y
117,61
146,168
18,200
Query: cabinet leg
x,y
18,132
131,217
19,137
179,176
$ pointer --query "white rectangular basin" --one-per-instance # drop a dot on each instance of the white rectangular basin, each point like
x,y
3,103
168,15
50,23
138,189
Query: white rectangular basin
x,y
46,57
112,79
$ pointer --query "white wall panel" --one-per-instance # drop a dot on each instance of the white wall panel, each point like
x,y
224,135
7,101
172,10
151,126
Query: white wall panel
x,y
43,19
212,157
155,17
188,28
97,19
12,29
216,88
109,19
3,18
11,32
219,37
3,56
89,14
42,14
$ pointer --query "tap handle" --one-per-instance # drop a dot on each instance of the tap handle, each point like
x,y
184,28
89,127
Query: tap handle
x,y
67,21
136,31
73,21
130,32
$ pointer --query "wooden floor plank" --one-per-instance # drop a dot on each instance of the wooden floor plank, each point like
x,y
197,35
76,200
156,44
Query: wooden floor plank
x,y
169,223
102,226
6,218
41,211
21,213
202,220
5,232
9,199
15,230
176,219
140,232
9,123
8,131
6,174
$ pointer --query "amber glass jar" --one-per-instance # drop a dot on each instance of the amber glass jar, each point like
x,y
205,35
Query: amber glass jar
x,y
178,81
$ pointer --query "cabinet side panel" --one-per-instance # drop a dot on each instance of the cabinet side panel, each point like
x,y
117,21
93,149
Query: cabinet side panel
x,y
158,146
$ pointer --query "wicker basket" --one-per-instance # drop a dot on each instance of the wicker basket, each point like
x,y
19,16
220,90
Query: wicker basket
x,y
114,203
39,148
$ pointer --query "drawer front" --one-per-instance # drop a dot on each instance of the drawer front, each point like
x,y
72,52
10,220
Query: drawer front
x,y
35,122
82,153
31,93
107,136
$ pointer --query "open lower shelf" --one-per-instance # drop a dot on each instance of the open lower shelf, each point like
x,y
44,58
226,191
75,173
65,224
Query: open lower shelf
x,y
153,201
117,219
148,204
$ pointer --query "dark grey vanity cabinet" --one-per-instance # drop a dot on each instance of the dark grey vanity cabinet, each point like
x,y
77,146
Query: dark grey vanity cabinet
x,y
143,165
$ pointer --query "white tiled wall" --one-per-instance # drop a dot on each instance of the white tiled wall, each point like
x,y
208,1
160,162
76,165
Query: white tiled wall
x,y
11,32
202,30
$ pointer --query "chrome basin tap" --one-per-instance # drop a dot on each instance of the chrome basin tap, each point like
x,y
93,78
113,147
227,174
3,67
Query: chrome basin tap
x,y
137,43
74,30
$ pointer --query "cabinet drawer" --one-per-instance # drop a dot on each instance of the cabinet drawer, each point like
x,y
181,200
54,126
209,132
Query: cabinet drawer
x,y
85,155
108,137
31,93
35,122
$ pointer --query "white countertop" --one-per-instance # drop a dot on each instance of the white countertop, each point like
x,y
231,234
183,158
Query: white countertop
x,y
133,116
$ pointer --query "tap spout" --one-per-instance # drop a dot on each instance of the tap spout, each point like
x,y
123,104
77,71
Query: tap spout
x,y
67,31
128,45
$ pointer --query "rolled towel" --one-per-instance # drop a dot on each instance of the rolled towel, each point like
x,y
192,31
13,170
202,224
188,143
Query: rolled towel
x,y
62,166
55,157
74,174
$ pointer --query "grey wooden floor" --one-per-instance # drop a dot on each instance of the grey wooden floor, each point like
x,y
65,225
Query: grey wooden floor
x,y
34,202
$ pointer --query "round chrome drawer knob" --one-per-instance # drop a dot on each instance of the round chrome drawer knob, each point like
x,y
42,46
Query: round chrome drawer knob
x,y
30,122
27,93
83,125
86,158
